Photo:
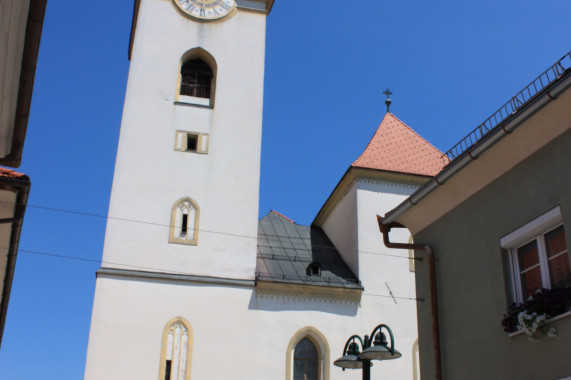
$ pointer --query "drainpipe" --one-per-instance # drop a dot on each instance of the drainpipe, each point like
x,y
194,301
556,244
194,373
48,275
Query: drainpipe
x,y
385,229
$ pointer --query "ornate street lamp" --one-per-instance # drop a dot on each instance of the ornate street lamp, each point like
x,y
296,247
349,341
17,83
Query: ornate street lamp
x,y
352,357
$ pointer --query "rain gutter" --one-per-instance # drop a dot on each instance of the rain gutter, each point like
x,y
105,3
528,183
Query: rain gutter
x,y
508,126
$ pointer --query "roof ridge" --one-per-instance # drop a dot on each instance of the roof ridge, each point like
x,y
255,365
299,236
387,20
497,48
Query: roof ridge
x,y
282,215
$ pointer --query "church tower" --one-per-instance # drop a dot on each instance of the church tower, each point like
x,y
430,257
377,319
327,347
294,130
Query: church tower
x,y
188,159
184,202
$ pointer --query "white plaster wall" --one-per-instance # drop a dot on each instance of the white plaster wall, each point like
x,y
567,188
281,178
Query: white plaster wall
x,y
379,267
341,228
353,229
150,176
237,334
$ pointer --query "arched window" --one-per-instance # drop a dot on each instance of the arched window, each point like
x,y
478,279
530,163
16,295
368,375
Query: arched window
x,y
197,78
184,222
305,361
307,356
176,350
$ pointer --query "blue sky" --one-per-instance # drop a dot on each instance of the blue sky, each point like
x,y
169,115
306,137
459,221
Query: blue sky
x,y
449,64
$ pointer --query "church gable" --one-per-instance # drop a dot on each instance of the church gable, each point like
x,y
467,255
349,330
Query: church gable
x,y
290,253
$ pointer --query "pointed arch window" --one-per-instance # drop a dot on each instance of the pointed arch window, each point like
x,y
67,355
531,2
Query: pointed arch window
x,y
176,350
305,361
184,222
307,356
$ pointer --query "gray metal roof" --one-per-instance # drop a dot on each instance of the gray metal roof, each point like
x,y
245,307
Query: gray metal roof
x,y
287,249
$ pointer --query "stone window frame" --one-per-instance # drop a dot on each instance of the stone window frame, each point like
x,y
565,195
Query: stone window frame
x,y
164,347
533,230
320,343
202,143
175,225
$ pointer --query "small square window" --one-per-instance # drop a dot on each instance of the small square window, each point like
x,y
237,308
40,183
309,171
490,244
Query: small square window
x,y
193,142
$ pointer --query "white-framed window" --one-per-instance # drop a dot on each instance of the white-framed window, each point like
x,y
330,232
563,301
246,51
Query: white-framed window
x,y
194,142
538,255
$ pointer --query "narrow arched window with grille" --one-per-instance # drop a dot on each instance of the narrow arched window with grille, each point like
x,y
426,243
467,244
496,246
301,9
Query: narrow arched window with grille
x,y
305,361
184,222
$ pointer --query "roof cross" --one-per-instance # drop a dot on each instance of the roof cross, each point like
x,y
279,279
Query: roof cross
x,y
388,92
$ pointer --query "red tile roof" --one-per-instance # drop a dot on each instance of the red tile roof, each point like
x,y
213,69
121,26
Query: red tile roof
x,y
283,216
396,147
9,173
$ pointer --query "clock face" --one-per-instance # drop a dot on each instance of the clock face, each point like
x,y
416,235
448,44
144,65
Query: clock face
x,y
206,9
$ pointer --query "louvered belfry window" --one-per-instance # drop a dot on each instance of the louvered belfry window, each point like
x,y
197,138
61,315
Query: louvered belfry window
x,y
196,79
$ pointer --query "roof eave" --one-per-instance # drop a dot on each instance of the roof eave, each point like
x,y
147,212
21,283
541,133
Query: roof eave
x,y
33,36
309,291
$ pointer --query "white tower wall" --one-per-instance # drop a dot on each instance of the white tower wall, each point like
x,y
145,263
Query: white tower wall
x,y
150,176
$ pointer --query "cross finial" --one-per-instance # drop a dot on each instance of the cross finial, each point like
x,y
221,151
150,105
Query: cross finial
x,y
388,92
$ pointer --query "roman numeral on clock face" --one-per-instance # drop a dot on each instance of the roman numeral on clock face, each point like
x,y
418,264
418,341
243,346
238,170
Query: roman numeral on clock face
x,y
206,9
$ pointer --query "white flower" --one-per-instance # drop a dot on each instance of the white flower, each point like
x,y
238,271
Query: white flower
x,y
552,332
534,325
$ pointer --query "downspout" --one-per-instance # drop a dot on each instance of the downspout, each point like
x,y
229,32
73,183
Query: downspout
x,y
385,229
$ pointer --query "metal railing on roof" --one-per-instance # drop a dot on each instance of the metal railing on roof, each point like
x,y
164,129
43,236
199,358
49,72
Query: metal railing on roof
x,y
511,107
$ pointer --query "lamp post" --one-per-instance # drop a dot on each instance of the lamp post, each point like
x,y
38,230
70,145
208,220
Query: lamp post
x,y
352,357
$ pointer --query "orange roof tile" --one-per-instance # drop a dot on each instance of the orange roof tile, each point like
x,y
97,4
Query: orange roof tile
x,y
396,147
283,216
9,173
